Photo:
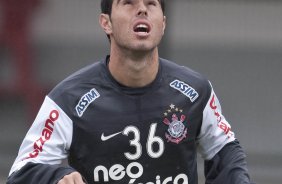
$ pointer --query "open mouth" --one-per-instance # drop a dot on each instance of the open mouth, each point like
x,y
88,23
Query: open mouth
x,y
142,28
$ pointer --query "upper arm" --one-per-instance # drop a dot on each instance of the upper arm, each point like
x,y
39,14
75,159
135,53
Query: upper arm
x,y
215,131
48,139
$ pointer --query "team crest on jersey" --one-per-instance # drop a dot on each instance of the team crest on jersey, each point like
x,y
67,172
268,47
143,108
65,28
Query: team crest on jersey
x,y
174,119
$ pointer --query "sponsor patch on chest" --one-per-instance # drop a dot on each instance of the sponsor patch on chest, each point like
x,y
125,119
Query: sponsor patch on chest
x,y
85,100
185,89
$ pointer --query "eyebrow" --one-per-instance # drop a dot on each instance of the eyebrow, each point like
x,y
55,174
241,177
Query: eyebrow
x,y
118,1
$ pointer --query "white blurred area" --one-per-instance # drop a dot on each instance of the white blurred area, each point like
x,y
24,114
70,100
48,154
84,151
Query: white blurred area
x,y
232,23
205,22
69,21
237,44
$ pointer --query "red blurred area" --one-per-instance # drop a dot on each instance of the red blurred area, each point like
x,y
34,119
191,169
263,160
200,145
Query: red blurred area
x,y
15,37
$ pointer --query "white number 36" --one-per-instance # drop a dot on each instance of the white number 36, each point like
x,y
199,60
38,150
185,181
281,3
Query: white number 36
x,y
151,140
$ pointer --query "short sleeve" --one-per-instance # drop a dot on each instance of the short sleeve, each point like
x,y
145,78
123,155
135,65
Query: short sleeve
x,y
215,131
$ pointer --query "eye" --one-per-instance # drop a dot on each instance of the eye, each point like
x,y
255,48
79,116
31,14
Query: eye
x,y
125,2
153,3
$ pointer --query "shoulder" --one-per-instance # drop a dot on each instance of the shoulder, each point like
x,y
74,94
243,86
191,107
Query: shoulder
x,y
183,74
78,82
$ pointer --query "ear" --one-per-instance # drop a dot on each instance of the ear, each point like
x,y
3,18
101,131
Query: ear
x,y
164,24
105,23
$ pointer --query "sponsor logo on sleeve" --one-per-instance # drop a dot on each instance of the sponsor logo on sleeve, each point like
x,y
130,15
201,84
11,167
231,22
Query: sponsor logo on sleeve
x,y
185,89
85,100
221,122
45,134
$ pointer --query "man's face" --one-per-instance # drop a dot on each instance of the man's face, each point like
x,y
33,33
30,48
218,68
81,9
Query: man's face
x,y
137,25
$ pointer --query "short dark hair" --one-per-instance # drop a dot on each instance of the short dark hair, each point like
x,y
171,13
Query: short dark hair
x,y
106,6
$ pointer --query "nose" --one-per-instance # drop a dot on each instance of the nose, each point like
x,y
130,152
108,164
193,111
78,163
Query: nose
x,y
142,9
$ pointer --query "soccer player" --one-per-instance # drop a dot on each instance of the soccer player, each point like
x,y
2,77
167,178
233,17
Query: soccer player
x,y
132,117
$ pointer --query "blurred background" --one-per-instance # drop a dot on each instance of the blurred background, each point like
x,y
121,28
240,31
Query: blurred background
x,y
236,44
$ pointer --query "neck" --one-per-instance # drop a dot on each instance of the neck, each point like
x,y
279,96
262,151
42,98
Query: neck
x,y
134,69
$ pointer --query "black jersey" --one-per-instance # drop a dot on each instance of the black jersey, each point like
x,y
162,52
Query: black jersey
x,y
115,134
